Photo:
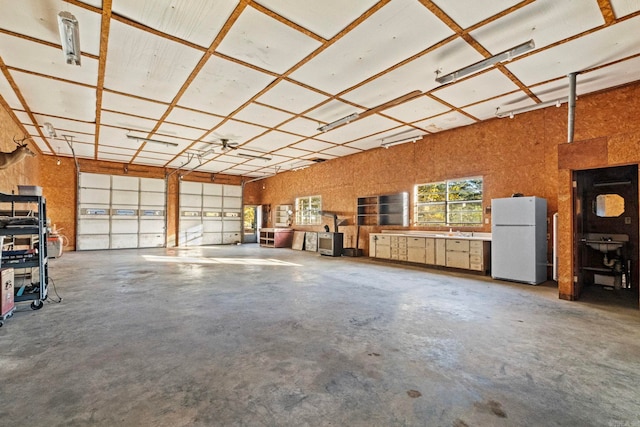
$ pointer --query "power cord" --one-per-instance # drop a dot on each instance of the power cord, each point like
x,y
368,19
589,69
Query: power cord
x,y
54,291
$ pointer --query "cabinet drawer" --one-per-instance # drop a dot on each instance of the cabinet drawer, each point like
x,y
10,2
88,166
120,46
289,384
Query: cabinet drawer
x,y
458,245
475,266
384,240
475,244
475,259
475,251
416,242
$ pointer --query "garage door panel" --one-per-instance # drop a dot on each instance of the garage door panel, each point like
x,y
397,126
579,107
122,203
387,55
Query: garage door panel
x,y
108,209
124,241
94,180
191,201
93,226
212,226
212,201
150,184
93,242
151,225
230,238
212,190
125,183
153,199
232,225
190,187
151,240
94,196
124,226
122,197
212,239
232,191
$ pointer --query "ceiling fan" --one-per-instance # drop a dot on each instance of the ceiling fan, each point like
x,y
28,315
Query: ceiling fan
x,y
226,144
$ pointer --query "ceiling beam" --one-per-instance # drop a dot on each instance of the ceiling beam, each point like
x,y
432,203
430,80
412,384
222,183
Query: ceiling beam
x,y
102,64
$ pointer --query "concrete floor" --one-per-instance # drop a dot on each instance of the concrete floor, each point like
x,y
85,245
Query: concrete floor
x,y
249,336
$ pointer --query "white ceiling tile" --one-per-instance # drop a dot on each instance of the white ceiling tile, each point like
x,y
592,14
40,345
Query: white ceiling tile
x,y
197,21
235,131
291,97
94,3
611,76
272,141
261,115
291,152
326,18
222,86
127,122
301,126
419,74
446,121
114,137
230,158
274,160
130,105
544,21
57,98
487,110
340,151
360,128
113,157
116,150
65,126
39,19
476,88
417,109
27,55
469,12
313,145
261,40
325,156
9,94
151,66
22,116
596,49
83,150
332,111
181,131
391,135
625,7
150,161
193,118
42,146
386,38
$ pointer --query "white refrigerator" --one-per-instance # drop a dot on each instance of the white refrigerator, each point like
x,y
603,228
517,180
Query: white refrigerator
x,y
519,239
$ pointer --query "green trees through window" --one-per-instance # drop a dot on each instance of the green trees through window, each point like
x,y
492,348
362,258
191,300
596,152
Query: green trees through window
x,y
452,202
308,210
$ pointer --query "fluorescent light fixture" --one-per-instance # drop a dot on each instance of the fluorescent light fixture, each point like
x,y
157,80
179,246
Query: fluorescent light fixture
x,y
339,122
51,131
511,114
69,37
155,141
251,156
507,55
388,144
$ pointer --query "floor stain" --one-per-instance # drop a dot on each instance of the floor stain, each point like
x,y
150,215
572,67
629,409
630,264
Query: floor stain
x,y
374,354
414,393
459,423
493,407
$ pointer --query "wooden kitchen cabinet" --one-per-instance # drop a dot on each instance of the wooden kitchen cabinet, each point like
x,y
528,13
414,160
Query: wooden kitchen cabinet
x,y
463,253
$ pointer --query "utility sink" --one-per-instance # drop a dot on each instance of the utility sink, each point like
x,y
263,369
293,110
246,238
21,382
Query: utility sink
x,y
605,242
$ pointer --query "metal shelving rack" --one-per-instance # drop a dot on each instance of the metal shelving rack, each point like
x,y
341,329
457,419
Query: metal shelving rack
x,y
30,206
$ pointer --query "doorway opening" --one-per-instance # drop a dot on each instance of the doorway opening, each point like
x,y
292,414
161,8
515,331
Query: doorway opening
x,y
607,236
251,219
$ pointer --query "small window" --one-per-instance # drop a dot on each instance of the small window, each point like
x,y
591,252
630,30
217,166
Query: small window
x,y
452,202
308,210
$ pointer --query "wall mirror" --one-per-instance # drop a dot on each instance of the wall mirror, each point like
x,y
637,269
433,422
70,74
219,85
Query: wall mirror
x,y
609,205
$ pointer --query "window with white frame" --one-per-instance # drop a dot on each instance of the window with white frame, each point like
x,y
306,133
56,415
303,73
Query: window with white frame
x,y
453,202
308,210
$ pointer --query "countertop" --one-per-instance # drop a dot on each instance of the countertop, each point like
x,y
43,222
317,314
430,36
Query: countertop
x,y
462,236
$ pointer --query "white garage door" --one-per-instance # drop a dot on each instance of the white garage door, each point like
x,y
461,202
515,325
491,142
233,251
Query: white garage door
x,y
210,214
117,212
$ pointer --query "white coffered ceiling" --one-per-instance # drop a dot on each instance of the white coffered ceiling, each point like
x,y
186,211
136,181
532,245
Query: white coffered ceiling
x,y
266,74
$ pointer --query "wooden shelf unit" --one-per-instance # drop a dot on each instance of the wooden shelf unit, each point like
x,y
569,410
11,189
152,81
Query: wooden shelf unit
x,y
387,209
